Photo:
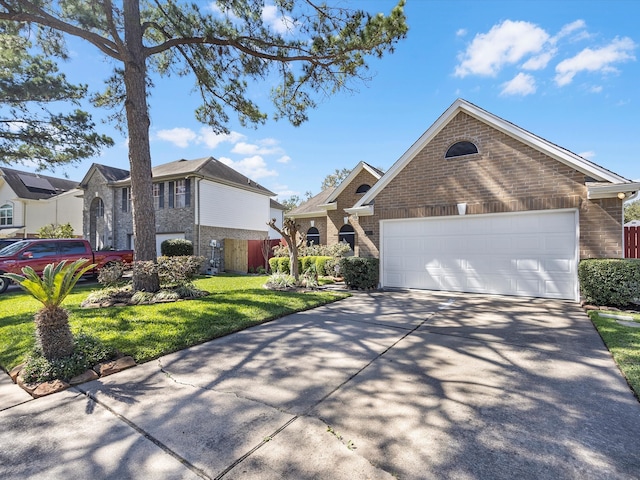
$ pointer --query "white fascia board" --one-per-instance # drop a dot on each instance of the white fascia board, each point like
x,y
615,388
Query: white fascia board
x,y
596,190
306,215
328,206
364,211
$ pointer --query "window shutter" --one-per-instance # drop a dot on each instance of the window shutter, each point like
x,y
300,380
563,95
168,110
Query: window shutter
x,y
124,199
187,192
171,193
161,199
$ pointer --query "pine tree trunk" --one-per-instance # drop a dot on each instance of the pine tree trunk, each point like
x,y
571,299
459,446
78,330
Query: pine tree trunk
x,y
137,110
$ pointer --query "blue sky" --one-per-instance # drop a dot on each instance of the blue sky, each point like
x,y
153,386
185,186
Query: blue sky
x,y
567,71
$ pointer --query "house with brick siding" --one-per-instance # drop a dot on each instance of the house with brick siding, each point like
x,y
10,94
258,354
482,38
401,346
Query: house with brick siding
x,y
202,200
478,204
323,217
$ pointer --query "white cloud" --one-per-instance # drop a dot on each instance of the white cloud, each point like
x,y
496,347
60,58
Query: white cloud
x,y
541,61
599,60
522,84
253,167
569,28
589,154
212,140
506,43
284,159
461,32
180,137
280,23
596,89
265,147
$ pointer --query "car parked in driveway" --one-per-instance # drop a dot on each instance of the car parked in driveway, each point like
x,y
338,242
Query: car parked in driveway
x,y
5,242
37,253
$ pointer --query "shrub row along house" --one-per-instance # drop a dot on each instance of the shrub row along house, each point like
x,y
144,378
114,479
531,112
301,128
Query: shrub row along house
x,y
477,204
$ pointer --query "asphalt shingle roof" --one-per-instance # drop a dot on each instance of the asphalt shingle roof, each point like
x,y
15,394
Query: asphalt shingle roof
x,y
34,186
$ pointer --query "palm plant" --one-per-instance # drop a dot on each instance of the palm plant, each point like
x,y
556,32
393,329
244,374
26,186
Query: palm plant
x,y
53,333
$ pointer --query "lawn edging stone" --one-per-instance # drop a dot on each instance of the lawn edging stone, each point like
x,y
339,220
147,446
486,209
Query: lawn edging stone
x,y
41,389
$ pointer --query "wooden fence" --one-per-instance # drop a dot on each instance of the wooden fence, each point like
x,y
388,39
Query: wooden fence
x,y
631,242
242,255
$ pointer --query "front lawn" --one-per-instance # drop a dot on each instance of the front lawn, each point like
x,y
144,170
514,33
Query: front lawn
x,y
624,344
148,331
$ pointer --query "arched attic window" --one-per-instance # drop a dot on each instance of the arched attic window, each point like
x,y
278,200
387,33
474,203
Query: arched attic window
x,y
362,189
459,149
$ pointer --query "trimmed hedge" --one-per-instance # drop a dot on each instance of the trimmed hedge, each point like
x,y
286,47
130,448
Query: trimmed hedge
x,y
359,272
176,247
610,281
281,264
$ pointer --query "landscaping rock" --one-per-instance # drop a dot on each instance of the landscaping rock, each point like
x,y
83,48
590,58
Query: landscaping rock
x,y
47,388
15,372
114,366
87,376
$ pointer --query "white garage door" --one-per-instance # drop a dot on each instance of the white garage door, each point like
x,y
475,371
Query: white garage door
x,y
528,254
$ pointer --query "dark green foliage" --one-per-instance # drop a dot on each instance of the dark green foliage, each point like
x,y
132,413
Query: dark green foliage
x,y
88,351
614,282
632,211
360,272
176,247
174,271
282,265
306,263
321,263
274,263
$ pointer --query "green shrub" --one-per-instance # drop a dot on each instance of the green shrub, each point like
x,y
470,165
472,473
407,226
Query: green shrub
x,y
613,282
274,264
174,271
88,351
306,263
321,263
359,272
176,247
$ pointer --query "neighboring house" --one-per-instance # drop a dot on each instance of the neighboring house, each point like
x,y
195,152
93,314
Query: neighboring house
x,y
479,204
29,201
202,200
322,217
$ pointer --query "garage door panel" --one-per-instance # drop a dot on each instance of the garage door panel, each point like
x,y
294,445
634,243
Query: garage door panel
x,y
531,254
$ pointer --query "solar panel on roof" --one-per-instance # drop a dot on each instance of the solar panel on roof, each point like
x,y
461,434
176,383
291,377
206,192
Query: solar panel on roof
x,y
36,182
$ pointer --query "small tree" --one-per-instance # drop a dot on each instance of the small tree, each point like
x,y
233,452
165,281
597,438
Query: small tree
x,y
56,231
290,232
53,333
266,249
632,211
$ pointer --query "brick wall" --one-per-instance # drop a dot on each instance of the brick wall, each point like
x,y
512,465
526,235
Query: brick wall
x,y
504,176
100,229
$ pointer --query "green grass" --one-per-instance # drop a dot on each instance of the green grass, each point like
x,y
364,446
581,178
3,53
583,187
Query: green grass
x,y
148,331
623,343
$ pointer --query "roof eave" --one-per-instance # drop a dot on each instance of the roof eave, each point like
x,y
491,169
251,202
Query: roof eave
x,y
363,211
597,191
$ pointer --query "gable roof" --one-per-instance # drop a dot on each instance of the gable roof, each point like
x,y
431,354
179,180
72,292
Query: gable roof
x,y
354,173
34,186
596,172
208,168
275,204
110,174
314,207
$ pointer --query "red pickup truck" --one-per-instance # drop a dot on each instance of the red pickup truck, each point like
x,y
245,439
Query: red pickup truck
x,y
37,253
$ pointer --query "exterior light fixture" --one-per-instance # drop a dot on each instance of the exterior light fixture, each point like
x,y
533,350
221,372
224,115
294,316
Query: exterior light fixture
x,y
622,195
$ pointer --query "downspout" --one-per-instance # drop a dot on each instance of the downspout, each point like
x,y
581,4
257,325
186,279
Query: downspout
x,y
628,200
197,203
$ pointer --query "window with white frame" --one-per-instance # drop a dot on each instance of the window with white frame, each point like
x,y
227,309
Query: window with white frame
x,y
6,214
158,195
180,194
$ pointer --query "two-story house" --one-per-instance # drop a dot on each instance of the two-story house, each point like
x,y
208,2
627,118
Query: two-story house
x,y
202,200
29,201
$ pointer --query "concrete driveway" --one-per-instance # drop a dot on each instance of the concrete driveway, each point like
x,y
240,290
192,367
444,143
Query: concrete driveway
x,y
410,385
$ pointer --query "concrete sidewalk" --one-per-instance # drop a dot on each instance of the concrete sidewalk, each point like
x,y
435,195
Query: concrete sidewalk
x,y
385,385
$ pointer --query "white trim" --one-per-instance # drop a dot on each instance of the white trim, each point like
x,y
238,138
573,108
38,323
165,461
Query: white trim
x,y
564,156
364,211
354,173
576,255
598,190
